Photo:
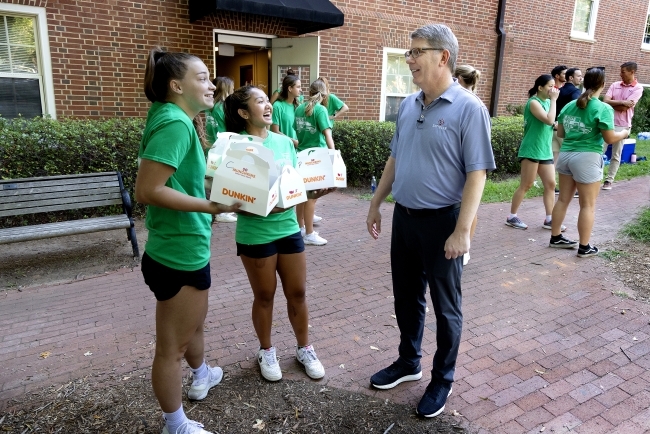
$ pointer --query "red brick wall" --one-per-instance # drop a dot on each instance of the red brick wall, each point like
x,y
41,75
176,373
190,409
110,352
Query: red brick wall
x,y
99,48
539,39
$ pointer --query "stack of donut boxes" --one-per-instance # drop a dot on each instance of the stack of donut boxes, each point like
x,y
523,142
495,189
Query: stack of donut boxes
x,y
98,49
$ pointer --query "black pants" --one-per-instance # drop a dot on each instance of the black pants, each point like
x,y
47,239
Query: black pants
x,y
418,258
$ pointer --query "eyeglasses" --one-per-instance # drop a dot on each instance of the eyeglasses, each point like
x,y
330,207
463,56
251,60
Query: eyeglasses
x,y
417,52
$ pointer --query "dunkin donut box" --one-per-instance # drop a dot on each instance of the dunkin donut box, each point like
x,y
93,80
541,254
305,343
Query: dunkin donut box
x,y
322,168
249,175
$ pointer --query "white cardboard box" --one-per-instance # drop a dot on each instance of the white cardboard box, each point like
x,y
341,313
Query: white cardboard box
x,y
291,188
224,142
322,168
247,174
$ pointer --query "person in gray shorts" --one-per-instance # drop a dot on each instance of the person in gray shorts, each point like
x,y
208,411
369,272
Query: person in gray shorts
x,y
584,124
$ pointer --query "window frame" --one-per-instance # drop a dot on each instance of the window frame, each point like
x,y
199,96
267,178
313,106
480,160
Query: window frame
x,y
646,46
42,42
384,75
593,18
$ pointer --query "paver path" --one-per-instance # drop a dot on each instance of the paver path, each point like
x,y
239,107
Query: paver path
x,y
545,343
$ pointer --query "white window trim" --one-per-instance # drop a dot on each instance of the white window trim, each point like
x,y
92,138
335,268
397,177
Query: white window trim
x,y
644,46
43,50
384,68
590,35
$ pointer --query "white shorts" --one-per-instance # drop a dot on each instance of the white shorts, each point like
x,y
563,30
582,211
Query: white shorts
x,y
583,167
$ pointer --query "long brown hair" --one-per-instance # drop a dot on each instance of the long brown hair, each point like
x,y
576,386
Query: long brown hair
x,y
594,80
287,82
235,101
163,67
223,85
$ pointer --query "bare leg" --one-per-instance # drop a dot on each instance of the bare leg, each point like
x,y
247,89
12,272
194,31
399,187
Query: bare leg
x,y
588,195
547,174
293,273
179,333
567,187
309,208
300,214
263,280
528,175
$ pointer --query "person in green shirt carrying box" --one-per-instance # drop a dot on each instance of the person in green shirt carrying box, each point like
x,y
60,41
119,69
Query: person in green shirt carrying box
x,y
176,262
314,130
272,245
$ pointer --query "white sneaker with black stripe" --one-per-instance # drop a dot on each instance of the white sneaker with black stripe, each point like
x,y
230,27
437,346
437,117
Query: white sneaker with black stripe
x,y
269,364
313,366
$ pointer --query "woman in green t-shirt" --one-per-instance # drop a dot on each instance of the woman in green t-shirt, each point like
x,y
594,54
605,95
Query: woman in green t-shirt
x,y
284,108
272,244
313,130
535,153
215,123
176,264
584,124
276,93
335,107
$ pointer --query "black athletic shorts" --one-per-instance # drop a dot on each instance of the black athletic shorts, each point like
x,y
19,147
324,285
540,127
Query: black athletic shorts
x,y
284,246
166,282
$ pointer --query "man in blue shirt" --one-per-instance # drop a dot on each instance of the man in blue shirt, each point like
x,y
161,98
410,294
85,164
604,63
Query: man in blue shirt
x,y
440,153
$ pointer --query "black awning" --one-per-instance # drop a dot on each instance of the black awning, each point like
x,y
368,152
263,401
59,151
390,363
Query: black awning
x,y
308,15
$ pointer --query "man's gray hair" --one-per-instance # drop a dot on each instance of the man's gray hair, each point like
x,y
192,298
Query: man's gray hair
x,y
439,36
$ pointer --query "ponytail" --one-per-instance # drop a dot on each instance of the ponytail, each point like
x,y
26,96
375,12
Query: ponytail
x,y
318,94
312,101
584,98
541,81
593,82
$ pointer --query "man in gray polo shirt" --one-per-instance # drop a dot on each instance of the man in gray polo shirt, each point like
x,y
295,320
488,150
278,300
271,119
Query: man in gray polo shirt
x,y
440,153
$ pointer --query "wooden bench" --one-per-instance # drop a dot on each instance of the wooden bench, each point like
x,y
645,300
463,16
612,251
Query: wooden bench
x,y
65,192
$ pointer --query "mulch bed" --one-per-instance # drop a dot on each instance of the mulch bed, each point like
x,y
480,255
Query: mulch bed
x,y
242,403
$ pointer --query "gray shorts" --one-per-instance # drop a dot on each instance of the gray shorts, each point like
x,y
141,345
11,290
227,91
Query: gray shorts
x,y
583,167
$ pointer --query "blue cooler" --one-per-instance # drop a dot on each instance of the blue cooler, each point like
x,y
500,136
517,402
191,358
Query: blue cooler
x,y
626,154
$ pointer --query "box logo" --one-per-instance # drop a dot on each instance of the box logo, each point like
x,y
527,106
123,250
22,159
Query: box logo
x,y
314,179
237,195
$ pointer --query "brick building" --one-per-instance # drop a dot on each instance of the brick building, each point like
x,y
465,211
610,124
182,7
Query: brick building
x,y
86,58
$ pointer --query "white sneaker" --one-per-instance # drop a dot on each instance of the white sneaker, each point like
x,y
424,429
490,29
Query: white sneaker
x,y
314,240
199,389
465,258
313,366
269,364
227,217
317,219
303,231
189,427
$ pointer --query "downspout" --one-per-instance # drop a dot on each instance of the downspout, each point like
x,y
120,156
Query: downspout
x,y
498,64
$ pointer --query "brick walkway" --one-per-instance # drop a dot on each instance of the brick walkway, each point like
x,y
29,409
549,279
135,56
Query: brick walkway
x,y
542,344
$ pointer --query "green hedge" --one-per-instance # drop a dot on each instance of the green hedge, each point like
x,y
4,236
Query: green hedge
x,y
42,147
641,119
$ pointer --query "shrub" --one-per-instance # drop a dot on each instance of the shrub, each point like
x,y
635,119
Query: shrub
x,y
641,119
507,132
364,146
515,109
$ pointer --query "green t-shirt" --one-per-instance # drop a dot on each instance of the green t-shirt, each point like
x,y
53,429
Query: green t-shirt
x,y
536,143
333,105
283,117
582,127
309,129
215,122
177,239
254,229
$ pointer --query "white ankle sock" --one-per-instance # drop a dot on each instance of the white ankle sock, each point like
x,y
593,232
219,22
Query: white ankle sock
x,y
548,218
199,372
175,420
512,215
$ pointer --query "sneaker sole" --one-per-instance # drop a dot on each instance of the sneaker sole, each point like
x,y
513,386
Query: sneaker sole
x,y
563,246
587,255
413,377
516,227
310,375
314,244
437,412
562,229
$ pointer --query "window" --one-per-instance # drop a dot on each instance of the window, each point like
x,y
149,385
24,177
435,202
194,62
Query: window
x,y
646,34
396,83
25,69
584,19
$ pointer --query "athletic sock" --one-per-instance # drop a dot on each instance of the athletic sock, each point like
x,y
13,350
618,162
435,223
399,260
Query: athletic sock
x,y
175,420
548,218
556,237
512,215
583,246
199,372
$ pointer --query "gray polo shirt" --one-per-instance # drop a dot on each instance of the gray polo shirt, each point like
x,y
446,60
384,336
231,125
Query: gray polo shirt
x,y
432,157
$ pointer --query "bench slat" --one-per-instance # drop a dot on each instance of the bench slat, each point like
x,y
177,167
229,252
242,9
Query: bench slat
x,y
7,195
59,197
50,230
60,207
57,178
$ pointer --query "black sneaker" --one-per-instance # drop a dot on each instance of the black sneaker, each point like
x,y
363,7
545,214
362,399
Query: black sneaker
x,y
587,251
562,242
434,399
393,375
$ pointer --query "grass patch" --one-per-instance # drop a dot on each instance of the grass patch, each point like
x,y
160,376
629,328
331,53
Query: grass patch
x,y
639,229
621,294
613,255
368,197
